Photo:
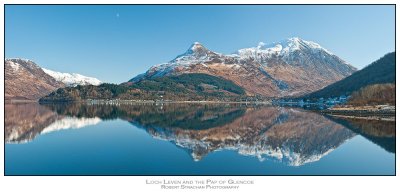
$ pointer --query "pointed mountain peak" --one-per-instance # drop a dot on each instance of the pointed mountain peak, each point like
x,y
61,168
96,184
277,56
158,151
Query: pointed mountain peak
x,y
196,44
195,51
197,47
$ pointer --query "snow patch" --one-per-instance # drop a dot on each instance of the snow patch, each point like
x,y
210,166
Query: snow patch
x,y
73,79
14,66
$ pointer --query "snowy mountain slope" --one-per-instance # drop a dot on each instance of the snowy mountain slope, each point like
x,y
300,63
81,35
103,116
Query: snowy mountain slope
x,y
197,54
283,48
73,79
25,80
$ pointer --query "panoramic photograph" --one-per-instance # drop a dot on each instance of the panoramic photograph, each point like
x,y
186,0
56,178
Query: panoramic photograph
x,y
199,90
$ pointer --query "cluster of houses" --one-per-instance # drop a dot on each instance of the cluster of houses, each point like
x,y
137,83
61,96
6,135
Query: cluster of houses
x,y
328,102
333,101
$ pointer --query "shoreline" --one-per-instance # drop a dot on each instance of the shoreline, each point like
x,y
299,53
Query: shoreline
x,y
20,101
138,101
377,112
381,118
381,112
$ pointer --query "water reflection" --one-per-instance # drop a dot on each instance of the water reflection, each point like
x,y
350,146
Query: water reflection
x,y
380,132
291,136
25,121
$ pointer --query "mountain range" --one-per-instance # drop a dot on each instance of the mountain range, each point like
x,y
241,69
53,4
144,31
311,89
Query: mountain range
x,y
25,80
291,67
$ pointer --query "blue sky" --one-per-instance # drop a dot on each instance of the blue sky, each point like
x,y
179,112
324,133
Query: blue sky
x,y
115,43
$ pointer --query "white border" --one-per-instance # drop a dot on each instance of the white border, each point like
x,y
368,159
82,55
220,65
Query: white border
x,y
134,185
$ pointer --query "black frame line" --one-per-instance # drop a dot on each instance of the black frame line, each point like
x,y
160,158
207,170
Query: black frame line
x,y
4,53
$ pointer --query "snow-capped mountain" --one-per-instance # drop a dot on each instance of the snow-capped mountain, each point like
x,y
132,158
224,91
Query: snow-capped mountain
x,y
24,79
289,67
297,52
73,79
283,49
197,54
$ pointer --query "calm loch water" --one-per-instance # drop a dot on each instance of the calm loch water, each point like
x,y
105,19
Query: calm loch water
x,y
192,139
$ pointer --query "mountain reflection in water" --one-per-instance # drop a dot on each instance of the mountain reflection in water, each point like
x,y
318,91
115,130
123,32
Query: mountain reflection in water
x,y
292,136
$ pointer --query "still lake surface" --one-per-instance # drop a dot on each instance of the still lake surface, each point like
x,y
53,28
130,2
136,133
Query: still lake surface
x,y
192,139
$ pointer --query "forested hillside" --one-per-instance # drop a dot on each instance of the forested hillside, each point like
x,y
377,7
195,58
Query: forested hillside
x,y
379,72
